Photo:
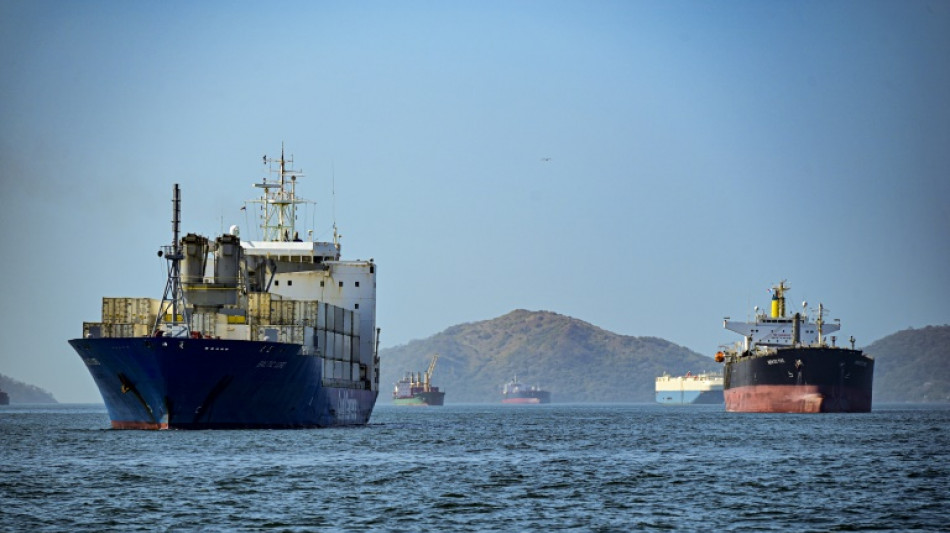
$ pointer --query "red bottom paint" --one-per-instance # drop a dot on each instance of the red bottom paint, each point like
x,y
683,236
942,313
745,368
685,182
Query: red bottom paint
x,y
796,399
521,400
118,424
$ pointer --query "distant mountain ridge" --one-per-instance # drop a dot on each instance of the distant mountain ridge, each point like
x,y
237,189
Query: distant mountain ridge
x,y
912,365
575,360
24,393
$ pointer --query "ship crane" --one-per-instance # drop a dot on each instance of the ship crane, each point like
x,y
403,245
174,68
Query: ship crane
x,y
428,375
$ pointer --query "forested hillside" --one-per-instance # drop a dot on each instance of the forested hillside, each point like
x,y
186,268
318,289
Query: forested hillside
x,y
576,361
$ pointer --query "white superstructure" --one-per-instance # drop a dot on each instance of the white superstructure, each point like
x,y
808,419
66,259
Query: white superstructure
x,y
775,329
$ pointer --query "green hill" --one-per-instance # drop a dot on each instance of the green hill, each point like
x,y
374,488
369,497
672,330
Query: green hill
x,y
23,393
576,361
912,365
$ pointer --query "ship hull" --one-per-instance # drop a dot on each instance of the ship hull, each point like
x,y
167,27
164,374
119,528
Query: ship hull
x,y
534,397
800,380
422,399
176,383
689,397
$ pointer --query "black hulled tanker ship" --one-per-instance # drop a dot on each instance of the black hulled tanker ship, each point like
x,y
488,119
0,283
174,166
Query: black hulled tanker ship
x,y
784,365
276,333
516,392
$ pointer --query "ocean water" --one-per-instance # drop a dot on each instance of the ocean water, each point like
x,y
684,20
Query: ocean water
x,y
485,468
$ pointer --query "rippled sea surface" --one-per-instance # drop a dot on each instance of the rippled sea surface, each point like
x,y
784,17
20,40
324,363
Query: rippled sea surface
x,y
485,467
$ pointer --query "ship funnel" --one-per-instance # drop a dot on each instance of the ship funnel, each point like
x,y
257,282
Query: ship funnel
x,y
797,330
195,248
227,261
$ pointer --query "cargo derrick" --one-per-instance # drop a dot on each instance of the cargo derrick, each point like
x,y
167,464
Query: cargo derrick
x,y
417,389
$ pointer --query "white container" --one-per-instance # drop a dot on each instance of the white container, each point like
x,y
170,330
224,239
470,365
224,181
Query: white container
x,y
347,354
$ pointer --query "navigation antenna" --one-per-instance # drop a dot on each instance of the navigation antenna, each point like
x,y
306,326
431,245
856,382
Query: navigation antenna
x,y
336,236
173,300
279,220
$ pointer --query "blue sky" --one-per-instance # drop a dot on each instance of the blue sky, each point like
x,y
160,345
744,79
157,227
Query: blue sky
x,y
699,152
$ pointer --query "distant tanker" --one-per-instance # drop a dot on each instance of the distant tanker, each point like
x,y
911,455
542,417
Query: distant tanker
x,y
516,392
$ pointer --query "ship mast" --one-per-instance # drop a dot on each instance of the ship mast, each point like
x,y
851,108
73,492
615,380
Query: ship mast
x,y
173,300
278,221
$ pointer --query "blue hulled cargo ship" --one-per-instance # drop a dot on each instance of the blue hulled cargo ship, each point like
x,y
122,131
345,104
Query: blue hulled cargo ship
x,y
276,333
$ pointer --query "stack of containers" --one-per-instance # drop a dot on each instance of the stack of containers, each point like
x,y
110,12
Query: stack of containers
x,y
338,336
124,317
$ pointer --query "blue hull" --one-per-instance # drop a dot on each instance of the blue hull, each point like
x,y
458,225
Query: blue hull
x,y
173,383
689,397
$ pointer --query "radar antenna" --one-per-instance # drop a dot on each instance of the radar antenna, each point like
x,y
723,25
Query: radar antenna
x,y
279,218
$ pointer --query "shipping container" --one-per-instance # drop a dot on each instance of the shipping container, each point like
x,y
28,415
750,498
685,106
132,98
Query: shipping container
x,y
259,306
338,319
267,333
204,323
290,312
337,346
108,310
322,315
320,342
347,354
347,322
331,318
235,332
339,369
121,331
91,330
276,313
143,310
309,336
330,348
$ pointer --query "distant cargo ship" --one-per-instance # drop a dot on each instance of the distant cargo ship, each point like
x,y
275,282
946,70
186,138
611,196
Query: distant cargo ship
x,y
416,389
516,392
4,398
704,388
783,365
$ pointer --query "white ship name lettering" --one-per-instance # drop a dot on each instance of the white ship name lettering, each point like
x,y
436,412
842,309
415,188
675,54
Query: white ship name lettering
x,y
776,361
272,364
